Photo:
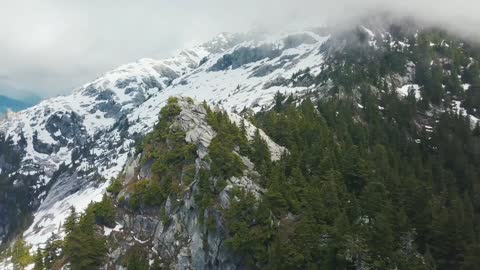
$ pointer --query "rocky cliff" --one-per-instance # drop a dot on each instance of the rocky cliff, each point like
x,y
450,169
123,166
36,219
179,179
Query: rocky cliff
x,y
176,232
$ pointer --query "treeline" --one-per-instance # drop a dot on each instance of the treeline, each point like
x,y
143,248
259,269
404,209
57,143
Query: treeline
x,y
361,191
367,183
371,180
84,245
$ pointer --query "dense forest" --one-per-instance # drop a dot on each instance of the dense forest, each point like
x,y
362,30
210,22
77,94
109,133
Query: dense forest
x,y
371,179
367,182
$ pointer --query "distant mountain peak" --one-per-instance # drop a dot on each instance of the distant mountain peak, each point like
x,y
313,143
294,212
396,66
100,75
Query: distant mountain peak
x,y
7,103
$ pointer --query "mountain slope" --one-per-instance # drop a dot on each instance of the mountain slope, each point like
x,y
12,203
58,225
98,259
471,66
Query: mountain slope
x,y
184,211
91,131
356,107
50,134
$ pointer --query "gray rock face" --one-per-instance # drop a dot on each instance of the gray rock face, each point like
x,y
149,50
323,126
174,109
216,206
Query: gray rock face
x,y
178,236
110,108
41,147
244,55
265,70
193,122
17,196
107,94
295,40
86,131
86,138
65,127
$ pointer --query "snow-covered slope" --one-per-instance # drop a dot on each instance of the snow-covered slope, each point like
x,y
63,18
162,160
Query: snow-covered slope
x,y
61,132
66,149
72,145
252,85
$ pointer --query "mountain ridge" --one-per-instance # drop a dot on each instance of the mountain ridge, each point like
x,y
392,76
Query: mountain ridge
x,y
76,144
72,121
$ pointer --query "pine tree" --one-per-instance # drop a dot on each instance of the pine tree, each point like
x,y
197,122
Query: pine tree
x,y
21,257
104,212
70,221
52,251
39,261
84,247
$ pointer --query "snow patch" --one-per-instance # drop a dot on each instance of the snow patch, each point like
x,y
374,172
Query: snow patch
x,y
406,89
276,151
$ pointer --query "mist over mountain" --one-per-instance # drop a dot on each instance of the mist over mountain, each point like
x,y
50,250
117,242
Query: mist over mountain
x,y
348,144
54,47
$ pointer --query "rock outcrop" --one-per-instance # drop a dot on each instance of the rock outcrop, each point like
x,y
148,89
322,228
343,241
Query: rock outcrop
x,y
176,233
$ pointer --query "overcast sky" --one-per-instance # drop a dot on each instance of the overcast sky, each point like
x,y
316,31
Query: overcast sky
x,y
50,47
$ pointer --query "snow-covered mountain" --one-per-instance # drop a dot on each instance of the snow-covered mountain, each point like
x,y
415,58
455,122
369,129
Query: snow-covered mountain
x,y
63,151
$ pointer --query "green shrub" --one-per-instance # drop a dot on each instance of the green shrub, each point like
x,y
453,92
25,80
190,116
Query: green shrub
x,y
171,109
103,211
20,252
136,258
248,222
115,187
225,163
145,193
173,159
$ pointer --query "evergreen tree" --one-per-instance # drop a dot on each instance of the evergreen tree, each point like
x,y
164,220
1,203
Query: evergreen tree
x,y
21,257
70,221
137,259
84,247
52,251
38,260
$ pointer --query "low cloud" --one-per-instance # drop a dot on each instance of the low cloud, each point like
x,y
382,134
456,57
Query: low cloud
x,y
53,46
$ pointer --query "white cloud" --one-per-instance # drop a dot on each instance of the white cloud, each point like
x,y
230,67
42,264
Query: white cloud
x,y
52,46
